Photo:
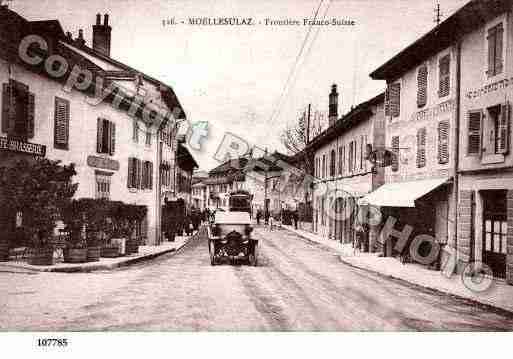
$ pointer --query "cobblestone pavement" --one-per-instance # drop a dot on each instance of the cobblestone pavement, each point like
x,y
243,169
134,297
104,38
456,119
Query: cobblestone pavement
x,y
298,285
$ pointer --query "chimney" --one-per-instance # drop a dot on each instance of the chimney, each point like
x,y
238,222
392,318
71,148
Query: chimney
x,y
79,41
333,107
101,35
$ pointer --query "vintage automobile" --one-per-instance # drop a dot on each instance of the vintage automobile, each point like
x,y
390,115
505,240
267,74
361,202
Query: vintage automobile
x,y
229,236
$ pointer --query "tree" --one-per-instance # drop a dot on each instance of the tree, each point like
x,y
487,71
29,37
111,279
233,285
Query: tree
x,y
40,190
295,138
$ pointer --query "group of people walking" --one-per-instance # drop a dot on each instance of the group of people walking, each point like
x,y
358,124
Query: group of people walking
x,y
270,220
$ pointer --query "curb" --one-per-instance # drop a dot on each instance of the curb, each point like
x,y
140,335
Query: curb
x,y
487,306
98,267
483,305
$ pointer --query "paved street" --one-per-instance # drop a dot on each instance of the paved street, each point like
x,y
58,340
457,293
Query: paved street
x,y
297,286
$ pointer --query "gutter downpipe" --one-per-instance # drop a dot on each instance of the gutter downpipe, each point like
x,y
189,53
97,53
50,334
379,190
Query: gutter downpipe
x,y
456,152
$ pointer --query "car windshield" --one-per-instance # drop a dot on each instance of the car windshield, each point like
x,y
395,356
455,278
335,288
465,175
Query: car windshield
x,y
232,218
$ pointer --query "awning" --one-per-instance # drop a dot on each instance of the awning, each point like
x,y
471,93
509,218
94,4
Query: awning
x,y
401,194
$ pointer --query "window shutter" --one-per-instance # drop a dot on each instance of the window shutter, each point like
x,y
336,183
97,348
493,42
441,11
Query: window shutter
x,y
148,136
387,101
150,175
350,156
145,182
421,147
332,163
395,156
422,86
343,158
6,108
130,179
443,142
340,159
445,76
491,51
498,49
99,135
503,128
362,150
474,133
355,149
395,99
137,182
139,174
112,146
31,109
61,123
135,131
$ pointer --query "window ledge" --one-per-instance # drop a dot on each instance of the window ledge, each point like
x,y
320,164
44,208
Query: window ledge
x,y
491,159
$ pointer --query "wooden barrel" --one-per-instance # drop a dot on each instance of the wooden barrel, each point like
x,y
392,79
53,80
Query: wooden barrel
x,y
132,246
75,255
110,252
93,254
41,256
4,251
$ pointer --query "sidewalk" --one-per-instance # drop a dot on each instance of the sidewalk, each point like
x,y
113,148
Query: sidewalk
x,y
344,249
145,253
499,296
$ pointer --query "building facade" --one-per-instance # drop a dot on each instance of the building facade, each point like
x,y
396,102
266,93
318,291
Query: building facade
x,y
448,100
485,207
185,165
115,152
343,171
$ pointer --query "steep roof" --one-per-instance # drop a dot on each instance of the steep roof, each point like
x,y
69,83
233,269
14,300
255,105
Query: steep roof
x,y
168,94
14,27
50,27
468,18
185,159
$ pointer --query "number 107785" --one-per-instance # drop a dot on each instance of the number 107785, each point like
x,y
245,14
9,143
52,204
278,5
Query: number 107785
x,y
52,342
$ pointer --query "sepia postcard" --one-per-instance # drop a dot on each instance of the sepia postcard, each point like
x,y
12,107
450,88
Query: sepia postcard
x,y
235,166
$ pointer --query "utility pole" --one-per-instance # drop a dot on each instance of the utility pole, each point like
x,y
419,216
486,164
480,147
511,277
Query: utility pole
x,y
308,124
266,207
438,14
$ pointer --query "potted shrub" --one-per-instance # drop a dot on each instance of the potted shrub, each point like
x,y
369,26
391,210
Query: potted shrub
x,y
76,246
4,245
110,248
95,222
134,215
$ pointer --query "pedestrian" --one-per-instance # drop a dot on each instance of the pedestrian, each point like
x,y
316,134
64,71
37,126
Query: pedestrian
x,y
271,222
259,214
295,216
267,217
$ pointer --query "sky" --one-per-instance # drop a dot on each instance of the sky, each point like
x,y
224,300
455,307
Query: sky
x,y
238,78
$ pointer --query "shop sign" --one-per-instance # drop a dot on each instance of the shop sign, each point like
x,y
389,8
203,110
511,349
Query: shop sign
x,y
433,112
495,86
104,163
9,144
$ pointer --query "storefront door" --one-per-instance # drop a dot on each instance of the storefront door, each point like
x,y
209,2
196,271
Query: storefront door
x,y
495,226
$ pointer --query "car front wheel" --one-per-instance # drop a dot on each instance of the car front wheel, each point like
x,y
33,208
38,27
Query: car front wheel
x,y
211,248
252,258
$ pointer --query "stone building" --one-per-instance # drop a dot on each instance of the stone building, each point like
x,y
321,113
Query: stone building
x,y
343,172
70,102
448,122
